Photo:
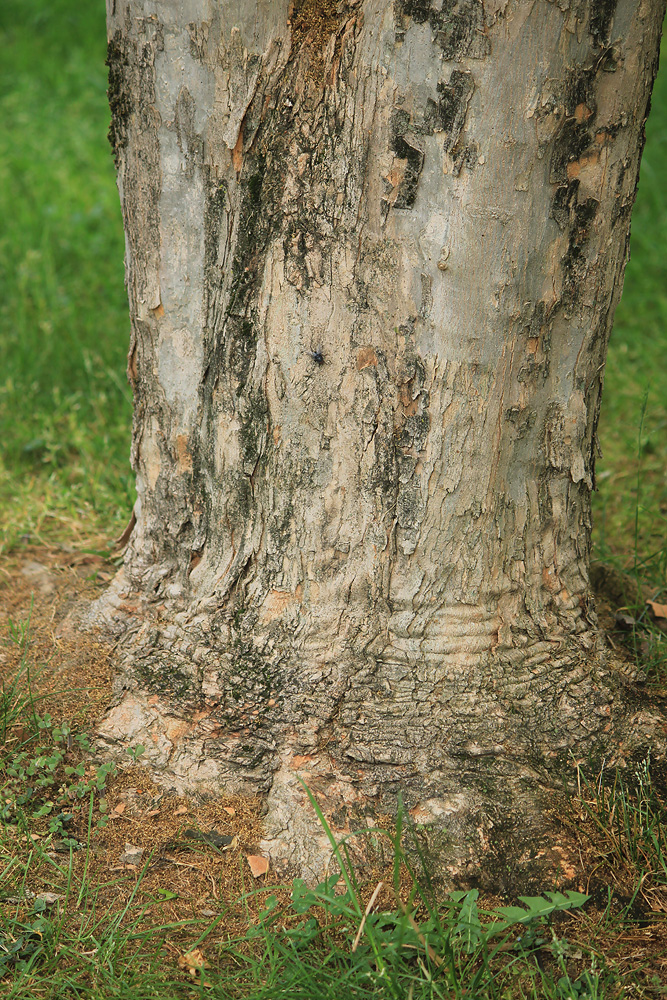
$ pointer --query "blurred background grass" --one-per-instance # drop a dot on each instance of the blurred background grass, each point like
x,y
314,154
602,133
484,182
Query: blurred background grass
x,y
65,408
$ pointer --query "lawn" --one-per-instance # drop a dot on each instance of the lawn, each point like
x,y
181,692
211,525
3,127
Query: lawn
x,y
65,407
143,930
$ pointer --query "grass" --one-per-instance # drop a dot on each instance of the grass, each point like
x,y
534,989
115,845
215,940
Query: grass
x,y
64,476
65,408
636,377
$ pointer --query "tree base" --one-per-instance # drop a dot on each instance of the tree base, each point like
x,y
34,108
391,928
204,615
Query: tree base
x,y
478,814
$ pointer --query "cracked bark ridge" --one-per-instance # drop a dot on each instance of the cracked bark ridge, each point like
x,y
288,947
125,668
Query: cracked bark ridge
x,y
373,260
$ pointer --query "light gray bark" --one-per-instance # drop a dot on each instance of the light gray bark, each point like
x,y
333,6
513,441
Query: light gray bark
x,y
373,255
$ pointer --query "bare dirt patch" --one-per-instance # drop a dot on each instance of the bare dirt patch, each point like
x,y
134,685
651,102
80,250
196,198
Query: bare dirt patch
x,y
68,673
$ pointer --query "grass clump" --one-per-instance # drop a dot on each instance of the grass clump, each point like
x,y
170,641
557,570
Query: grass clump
x,y
625,816
636,379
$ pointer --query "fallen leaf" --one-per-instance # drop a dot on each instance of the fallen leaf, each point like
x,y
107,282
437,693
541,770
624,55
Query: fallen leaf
x,y
625,622
48,898
180,810
131,855
65,846
229,810
119,808
193,961
122,540
215,839
659,614
166,894
153,812
258,864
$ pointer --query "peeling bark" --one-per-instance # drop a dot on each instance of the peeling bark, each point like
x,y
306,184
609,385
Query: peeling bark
x,y
373,255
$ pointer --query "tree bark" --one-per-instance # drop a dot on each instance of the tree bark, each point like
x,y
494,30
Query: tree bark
x,y
373,255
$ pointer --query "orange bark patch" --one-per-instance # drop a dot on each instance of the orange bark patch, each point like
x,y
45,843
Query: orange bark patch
x,y
420,815
176,730
582,113
365,357
395,176
278,600
298,760
410,405
183,456
576,166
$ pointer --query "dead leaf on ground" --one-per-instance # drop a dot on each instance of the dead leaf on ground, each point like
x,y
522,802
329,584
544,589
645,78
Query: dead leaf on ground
x,y
49,898
229,810
131,855
180,810
193,961
624,621
136,803
215,839
659,612
258,865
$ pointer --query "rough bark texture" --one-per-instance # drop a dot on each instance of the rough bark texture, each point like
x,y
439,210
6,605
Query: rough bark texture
x,y
373,255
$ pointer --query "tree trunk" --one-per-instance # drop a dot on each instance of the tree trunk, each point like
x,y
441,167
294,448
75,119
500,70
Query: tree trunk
x,y
373,255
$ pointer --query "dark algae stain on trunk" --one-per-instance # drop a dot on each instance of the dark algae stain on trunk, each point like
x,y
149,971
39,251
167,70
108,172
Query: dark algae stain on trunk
x,y
406,150
118,93
448,113
458,25
601,19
